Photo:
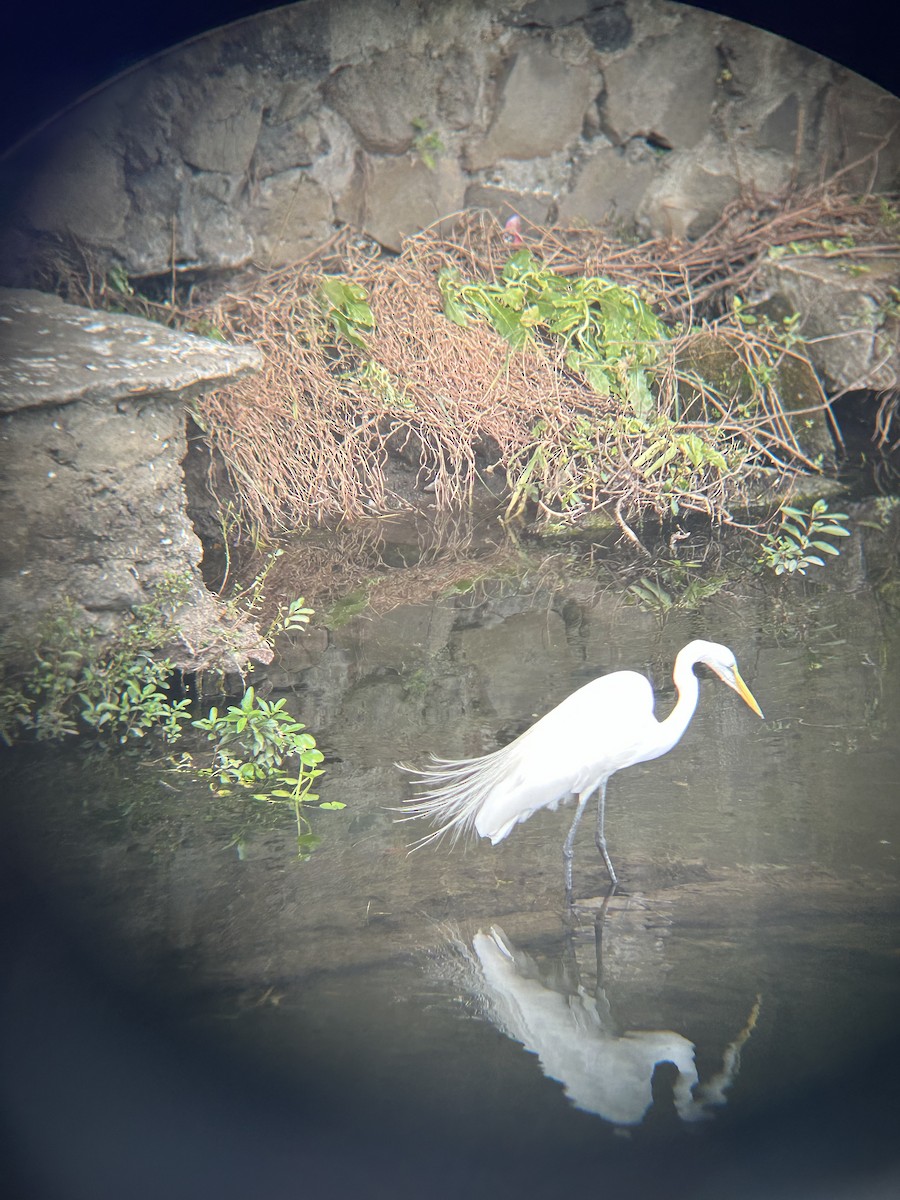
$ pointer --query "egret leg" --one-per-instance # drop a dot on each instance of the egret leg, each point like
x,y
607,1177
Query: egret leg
x,y
569,846
601,836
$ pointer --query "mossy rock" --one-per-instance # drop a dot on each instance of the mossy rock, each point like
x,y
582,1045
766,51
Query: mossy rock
x,y
716,361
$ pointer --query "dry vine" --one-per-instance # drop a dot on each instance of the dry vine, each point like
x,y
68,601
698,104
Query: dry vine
x,y
312,439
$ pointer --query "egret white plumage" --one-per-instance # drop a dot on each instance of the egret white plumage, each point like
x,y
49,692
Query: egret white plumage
x,y
571,752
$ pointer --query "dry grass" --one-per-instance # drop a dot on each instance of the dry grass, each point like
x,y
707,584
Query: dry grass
x,y
312,439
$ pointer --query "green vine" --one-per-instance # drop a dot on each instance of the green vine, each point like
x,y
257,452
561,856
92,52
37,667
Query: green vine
x,y
610,335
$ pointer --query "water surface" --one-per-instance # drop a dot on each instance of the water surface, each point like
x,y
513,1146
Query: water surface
x,y
713,1026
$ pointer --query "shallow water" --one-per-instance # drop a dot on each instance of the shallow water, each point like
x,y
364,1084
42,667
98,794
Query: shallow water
x,y
443,1008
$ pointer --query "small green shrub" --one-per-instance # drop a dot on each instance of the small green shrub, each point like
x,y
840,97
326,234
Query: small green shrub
x,y
253,739
80,683
800,539
255,742
78,680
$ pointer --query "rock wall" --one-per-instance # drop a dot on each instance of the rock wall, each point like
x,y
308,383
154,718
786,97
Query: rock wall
x,y
92,437
253,144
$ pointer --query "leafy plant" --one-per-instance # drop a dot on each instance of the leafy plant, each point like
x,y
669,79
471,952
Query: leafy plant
x,y
346,306
118,281
800,539
121,686
118,685
292,619
677,586
427,143
652,596
255,740
610,335
39,700
132,698
655,452
678,459
786,335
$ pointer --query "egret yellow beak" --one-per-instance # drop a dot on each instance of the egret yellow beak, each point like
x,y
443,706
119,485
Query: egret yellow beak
x,y
744,692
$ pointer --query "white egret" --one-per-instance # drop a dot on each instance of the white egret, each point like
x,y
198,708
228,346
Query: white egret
x,y
571,752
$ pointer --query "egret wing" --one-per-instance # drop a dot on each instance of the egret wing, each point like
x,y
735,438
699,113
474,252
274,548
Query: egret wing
x,y
592,733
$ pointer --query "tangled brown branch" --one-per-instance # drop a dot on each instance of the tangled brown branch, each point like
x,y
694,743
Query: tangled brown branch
x,y
317,436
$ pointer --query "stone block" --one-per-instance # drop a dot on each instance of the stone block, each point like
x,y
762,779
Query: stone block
x,y
688,199
541,108
358,29
458,88
863,121
290,215
92,438
663,88
53,353
81,191
536,207
295,654
694,186
773,95
609,187
382,98
218,126
851,338
283,145
157,197
212,229
401,196
336,161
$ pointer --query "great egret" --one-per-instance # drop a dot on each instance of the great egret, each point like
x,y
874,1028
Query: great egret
x,y
606,725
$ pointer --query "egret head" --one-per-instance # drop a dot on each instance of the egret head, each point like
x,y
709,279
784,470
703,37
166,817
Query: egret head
x,y
721,660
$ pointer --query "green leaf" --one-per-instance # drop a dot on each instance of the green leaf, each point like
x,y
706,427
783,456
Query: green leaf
x,y
360,314
637,393
518,263
792,531
454,308
833,530
507,322
332,804
666,457
455,311
649,453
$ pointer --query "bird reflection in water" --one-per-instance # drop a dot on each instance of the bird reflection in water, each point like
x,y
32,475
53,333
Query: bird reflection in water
x,y
603,1070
